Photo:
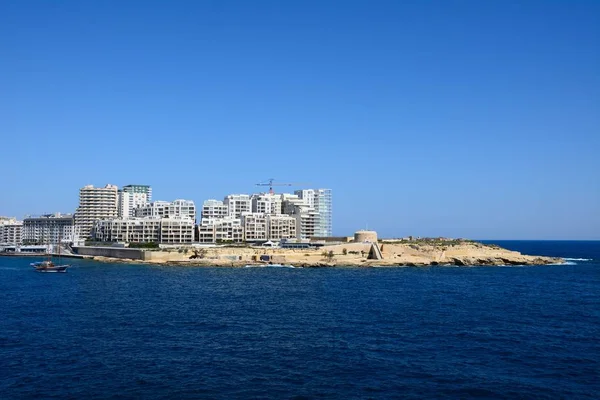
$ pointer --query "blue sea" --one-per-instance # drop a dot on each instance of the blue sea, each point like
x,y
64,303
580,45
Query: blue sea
x,y
130,331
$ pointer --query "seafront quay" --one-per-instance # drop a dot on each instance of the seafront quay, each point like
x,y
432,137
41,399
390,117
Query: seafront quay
x,y
380,253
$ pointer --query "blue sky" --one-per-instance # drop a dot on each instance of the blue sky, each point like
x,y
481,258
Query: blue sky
x,y
433,118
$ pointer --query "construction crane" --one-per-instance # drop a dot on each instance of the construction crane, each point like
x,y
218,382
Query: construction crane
x,y
271,182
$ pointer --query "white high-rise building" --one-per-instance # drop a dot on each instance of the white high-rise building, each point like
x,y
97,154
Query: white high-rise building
x,y
238,204
320,200
132,197
166,209
95,204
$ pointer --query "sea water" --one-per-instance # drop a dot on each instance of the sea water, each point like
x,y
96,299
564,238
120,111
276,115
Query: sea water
x,y
134,331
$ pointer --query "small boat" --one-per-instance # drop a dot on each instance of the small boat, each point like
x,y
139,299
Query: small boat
x,y
48,266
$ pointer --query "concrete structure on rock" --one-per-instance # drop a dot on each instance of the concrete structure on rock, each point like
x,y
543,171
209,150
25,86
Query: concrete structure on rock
x,y
365,236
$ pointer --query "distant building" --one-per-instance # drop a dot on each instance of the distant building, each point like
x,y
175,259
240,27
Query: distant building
x,y
321,201
255,227
166,209
307,218
139,189
175,230
131,197
95,204
11,231
214,209
266,203
215,230
267,216
48,229
259,227
238,204
281,227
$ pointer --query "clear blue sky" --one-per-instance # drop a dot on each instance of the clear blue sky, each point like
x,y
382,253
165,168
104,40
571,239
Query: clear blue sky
x,y
456,118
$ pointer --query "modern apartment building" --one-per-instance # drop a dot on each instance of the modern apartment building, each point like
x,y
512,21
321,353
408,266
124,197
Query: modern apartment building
x,y
266,203
174,230
281,227
320,200
131,197
267,216
307,218
238,204
48,229
95,204
259,227
166,209
11,231
177,230
255,227
139,189
130,230
214,209
214,230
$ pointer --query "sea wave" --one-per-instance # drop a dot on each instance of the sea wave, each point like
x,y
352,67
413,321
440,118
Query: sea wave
x,y
576,259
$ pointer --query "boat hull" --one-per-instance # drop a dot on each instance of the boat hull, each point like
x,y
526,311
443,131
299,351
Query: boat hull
x,y
50,271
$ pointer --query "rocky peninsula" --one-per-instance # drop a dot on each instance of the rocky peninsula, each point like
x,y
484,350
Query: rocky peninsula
x,y
426,252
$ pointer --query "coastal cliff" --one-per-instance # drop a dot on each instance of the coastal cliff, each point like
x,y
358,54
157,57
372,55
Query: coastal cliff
x,y
383,253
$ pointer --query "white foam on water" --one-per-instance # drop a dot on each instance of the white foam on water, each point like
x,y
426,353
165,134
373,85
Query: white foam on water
x,y
577,259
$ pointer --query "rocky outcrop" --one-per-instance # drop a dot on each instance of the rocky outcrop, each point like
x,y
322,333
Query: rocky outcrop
x,y
459,253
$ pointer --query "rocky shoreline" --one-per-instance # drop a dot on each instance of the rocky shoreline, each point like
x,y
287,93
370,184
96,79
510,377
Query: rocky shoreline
x,y
511,259
385,253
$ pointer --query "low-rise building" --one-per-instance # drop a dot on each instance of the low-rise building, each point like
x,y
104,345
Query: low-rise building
x,y
215,230
167,209
281,227
48,229
255,227
260,227
176,230
146,230
11,232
